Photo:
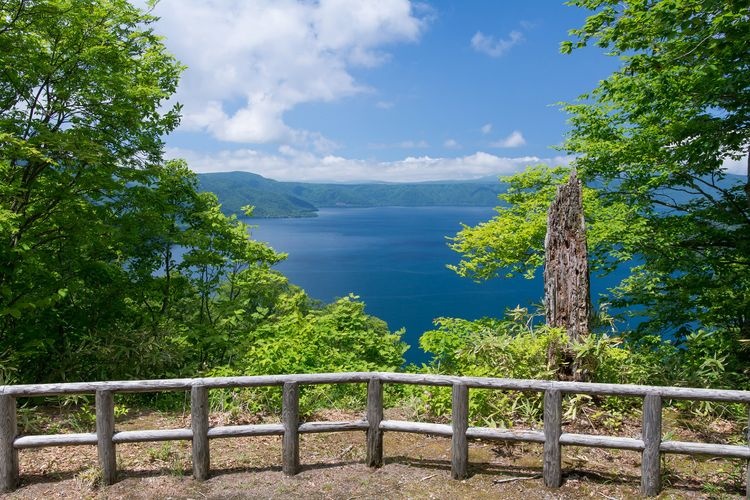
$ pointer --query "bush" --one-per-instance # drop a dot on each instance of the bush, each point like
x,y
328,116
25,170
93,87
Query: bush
x,y
514,347
297,338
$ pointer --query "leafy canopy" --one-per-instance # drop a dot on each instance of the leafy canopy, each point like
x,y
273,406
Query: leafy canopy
x,y
650,141
512,242
82,87
655,134
112,263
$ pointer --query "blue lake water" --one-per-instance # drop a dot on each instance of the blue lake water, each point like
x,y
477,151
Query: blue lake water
x,y
395,260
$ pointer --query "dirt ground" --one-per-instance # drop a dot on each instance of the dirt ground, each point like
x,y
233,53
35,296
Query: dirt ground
x,y
333,467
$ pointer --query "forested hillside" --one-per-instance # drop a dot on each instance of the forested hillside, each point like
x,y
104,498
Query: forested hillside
x,y
299,199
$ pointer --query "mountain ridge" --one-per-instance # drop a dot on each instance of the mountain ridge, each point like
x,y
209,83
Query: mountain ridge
x,y
273,198
279,199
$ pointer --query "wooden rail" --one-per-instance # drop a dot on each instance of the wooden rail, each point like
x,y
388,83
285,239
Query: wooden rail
x,y
200,433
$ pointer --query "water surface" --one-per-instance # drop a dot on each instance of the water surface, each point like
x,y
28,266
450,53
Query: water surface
x,y
395,260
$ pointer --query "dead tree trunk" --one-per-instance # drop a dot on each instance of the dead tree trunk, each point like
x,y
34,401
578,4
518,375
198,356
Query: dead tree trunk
x,y
566,275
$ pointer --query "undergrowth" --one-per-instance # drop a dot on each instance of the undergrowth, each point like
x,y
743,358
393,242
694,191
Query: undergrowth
x,y
512,347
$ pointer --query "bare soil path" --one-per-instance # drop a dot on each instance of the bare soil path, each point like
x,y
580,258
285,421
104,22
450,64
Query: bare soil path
x,y
333,468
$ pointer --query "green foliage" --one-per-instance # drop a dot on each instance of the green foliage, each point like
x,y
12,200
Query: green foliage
x,y
338,336
81,116
292,335
515,348
113,264
83,420
654,136
296,337
490,348
505,348
512,242
650,142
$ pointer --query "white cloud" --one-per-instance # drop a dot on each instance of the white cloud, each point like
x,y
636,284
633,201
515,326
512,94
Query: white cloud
x,y
251,62
514,140
736,166
296,165
486,128
494,47
414,144
384,104
408,144
451,144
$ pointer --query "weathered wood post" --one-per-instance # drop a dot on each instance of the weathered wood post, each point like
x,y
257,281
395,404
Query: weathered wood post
x,y
552,469
747,470
460,423
8,454
105,429
566,271
290,419
374,417
651,458
199,410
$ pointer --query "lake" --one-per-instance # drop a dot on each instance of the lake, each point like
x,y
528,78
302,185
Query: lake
x,y
395,260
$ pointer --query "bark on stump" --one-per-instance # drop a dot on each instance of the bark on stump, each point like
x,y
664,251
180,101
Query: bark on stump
x,y
566,274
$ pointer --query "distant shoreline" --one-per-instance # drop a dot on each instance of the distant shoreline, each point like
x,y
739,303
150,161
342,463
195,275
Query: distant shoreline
x,y
273,199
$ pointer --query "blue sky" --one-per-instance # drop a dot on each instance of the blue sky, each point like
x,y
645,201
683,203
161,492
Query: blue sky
x,y
388,90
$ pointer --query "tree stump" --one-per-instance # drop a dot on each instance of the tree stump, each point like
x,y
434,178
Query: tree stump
x,y
566,274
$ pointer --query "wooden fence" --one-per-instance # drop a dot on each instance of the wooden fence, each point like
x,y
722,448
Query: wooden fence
x,y
106,437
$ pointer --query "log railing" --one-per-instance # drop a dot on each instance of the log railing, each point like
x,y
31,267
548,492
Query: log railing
x,y
106,437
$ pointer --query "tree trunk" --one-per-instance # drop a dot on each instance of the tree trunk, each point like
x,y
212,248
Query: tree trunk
x,y
566,275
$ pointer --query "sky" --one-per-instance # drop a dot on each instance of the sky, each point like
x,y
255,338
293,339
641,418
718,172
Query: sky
x,y
381,90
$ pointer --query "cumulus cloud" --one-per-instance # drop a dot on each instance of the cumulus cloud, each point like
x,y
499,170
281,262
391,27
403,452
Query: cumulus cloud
x,y
495,47
514,140
451,144
292,164
251,62
486,128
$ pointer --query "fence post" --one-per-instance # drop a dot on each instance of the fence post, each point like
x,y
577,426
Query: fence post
x,y
747,473
552,470
105,429
8,454
651,459
199,410
374,417
460,423
290,419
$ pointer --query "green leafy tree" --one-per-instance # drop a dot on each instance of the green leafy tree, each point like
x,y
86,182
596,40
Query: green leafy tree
x,y
655,134
512,243
336,337
650,141
81,92
92,222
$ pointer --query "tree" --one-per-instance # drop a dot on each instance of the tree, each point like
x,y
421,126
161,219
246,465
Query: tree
x,y
512,243
567,296
566,269
81,92
650,143
112,263
655,134
83,88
